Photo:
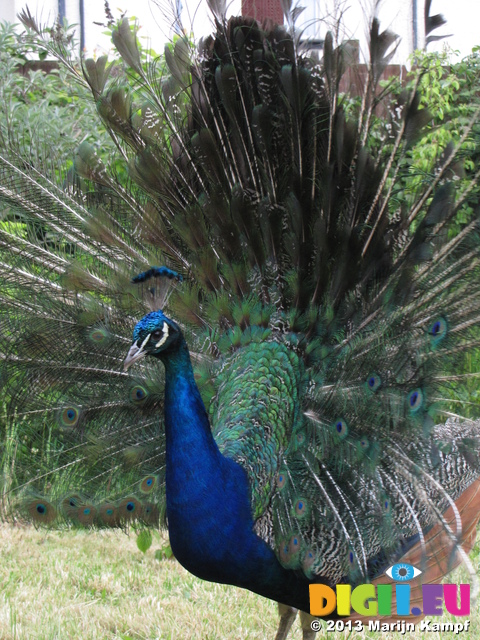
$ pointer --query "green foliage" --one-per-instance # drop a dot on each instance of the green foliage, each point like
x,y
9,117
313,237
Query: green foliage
x,y
45,115
165,553
144,540
449,91
48,116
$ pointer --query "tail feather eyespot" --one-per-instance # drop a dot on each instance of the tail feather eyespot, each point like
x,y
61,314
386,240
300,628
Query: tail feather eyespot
x,y
41,511
374,382
148,484
415,400
69,416
438,330
341,428
107,514
130,509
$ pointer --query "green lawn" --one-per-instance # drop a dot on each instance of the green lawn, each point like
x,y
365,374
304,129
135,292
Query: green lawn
x,y
86,585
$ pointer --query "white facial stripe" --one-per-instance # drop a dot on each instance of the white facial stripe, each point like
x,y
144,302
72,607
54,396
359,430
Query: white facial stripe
x,y
164,337
145,342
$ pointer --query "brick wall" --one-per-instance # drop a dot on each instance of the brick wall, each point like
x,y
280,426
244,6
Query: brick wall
x,y
263,9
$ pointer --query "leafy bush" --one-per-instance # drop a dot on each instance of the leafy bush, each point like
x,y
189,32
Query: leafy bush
x,y
45,116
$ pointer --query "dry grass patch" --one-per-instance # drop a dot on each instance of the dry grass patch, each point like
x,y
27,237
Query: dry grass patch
x,y
77,584
98,586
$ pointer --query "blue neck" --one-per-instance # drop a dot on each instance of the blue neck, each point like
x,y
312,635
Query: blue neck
x,y
188,430
208,505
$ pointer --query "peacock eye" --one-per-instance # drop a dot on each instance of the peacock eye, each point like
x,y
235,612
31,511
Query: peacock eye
x,y
157,334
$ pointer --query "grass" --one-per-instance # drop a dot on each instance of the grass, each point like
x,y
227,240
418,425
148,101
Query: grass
x,y
78,584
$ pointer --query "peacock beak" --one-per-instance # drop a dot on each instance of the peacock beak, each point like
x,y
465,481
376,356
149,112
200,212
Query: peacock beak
x,y
136,353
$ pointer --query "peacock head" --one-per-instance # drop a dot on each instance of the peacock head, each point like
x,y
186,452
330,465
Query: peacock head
x,y
153,335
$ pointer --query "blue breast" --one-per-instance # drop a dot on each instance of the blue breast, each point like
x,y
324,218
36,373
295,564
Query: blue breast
x,y
208,506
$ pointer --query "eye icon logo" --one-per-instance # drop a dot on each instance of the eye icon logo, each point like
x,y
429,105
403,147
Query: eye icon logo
x,y
402,572
395,598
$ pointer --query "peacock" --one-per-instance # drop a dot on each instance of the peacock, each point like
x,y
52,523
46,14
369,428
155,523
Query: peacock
x,y
259,339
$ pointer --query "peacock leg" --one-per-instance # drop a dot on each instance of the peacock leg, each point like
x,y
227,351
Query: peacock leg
x,y
306,622
287,616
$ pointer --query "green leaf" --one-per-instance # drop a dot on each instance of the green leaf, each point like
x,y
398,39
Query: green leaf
x,y
144,540
165,553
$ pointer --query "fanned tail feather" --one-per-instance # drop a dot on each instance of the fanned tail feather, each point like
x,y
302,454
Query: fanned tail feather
x,y
305,283
441,552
